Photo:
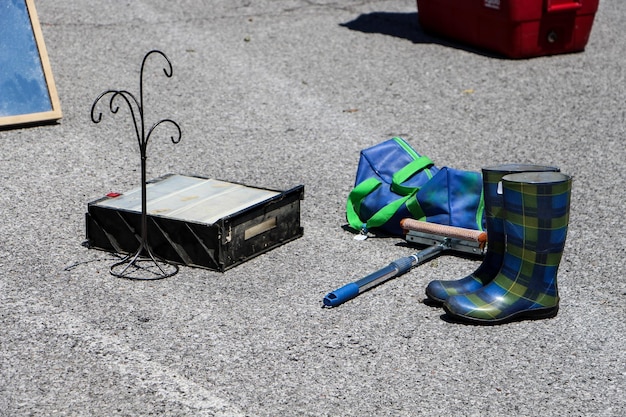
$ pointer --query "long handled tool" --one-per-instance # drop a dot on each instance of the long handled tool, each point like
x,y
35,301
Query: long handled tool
x,y
439,237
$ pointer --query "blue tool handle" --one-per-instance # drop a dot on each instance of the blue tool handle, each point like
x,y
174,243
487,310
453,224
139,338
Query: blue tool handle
x,y
397,267
349,291
341,295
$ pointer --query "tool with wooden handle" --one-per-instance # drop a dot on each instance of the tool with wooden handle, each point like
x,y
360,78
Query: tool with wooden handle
x,y
439,237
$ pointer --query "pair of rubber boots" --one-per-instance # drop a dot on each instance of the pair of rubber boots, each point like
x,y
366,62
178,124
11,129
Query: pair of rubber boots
x,y
527,214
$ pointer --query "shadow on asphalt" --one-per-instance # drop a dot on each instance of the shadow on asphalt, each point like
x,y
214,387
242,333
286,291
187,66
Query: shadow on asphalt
x,y
404,26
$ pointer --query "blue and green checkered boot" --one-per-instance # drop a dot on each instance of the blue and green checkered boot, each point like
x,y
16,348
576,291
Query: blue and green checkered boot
x,y
439,290
537,215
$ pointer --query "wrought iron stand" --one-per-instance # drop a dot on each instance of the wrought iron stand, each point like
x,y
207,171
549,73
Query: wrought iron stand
x,y
143,261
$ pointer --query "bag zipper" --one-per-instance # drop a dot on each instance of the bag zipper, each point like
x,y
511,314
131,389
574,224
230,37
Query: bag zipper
x,y
407,148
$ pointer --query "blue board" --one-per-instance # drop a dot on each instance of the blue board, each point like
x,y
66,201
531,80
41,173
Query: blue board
x,y
27,92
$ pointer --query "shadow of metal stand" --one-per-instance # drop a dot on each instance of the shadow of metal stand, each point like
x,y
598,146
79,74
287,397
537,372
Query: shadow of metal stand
x,y
143,264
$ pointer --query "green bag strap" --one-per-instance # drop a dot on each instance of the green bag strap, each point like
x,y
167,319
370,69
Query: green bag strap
x,y
414,208
407,172
355,198
379,218
480,212
383,215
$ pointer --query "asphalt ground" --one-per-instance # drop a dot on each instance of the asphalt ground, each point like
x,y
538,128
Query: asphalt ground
x,y
281,93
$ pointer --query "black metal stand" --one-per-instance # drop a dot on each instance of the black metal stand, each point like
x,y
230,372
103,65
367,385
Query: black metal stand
x,y
142,265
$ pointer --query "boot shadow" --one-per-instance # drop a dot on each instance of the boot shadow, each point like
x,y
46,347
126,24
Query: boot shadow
x,y
448,318
432,303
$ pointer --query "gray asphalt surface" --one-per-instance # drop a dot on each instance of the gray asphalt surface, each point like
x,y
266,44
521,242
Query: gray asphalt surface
x,y
280,93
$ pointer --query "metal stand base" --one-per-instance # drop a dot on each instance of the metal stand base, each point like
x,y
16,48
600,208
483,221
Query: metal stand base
x,y
138,266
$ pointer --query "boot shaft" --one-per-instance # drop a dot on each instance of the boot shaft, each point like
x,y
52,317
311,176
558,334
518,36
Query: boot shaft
x,y
537,208
537,214
494,205
492,188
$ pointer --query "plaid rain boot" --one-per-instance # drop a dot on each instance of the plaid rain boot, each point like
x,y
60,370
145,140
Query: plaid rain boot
x,y
537,214
438,290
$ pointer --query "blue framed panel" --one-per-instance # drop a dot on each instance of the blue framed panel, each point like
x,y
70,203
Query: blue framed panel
x,y
27,90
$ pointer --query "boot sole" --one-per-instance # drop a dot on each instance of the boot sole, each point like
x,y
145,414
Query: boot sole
x,y
535,314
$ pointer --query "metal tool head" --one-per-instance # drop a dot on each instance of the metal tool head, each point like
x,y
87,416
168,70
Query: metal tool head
x,y
455,238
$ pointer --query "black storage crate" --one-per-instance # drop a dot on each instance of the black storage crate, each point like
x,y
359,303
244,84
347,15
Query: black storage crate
x,y
197,221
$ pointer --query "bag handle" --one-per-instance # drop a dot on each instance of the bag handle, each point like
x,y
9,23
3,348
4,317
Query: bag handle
x,y
356,196
379,218
554,6
410,169
382,216
414,208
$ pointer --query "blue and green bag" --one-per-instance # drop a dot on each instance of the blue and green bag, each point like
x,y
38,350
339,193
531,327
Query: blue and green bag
x,y
394,182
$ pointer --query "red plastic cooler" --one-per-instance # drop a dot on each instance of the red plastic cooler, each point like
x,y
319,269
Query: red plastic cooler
x,y
513,28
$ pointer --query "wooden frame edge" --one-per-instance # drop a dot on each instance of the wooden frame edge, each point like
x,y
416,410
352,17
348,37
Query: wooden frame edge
x,y
46,116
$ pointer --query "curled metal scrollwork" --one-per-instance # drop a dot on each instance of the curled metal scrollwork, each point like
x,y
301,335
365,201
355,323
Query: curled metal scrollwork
x,y
157,269
136,107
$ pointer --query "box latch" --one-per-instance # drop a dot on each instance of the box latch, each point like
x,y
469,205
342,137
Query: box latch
x,y
554,6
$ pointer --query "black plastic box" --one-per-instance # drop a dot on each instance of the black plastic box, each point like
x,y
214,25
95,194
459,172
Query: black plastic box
x,y
197,221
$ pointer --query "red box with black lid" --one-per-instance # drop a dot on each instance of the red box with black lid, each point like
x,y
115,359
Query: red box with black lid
x,y
513,28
